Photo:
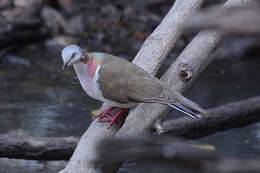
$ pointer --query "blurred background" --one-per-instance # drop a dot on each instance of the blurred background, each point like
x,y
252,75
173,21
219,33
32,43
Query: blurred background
x,y
37,97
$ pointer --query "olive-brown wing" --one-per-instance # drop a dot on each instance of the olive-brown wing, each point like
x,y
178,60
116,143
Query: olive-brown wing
x,y
123,82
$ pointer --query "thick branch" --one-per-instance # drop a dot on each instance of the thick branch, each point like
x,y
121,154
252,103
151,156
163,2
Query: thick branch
x,y
18,144
237,114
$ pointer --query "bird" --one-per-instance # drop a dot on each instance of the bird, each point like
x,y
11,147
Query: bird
x,y
122,84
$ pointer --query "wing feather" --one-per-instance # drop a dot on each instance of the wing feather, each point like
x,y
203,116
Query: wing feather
x,y
123,82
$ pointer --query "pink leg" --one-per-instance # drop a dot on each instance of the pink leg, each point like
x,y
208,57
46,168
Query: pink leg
x,y
103,114
114,118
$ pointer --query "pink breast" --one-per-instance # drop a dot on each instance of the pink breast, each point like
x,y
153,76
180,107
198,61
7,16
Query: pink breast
x,y
92,66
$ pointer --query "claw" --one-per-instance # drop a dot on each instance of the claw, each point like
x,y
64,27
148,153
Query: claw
x,y
111,118
116,117
104,114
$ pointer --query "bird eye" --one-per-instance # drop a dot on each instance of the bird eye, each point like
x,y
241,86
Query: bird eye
x,y
73,55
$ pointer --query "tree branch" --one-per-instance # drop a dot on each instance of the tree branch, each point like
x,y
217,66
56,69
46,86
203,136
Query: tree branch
x,y
18,144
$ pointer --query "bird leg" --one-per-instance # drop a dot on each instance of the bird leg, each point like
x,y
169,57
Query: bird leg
x,y
106,112
114,118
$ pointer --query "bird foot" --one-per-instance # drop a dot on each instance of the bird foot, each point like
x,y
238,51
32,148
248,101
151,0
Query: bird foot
x,y
104,114
112,118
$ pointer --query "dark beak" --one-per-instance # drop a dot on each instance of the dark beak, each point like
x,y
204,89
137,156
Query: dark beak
x,y
65,66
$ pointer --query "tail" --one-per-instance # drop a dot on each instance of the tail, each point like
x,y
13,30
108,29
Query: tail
x,y
185,110
187,106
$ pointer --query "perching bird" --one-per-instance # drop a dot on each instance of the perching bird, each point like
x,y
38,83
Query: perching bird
x,y
122,84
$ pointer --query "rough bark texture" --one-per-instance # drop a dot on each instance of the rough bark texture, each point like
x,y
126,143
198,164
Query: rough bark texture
x,y
150,57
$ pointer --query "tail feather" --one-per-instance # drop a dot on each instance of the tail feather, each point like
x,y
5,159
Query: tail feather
x,y
185,110
188,104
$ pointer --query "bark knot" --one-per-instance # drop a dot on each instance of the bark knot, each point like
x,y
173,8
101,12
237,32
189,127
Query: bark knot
x,y
185,72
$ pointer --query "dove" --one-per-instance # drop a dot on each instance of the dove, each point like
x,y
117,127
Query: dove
x,y
122,84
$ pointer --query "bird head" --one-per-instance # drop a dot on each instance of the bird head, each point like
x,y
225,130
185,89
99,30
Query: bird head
x,y
71,54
